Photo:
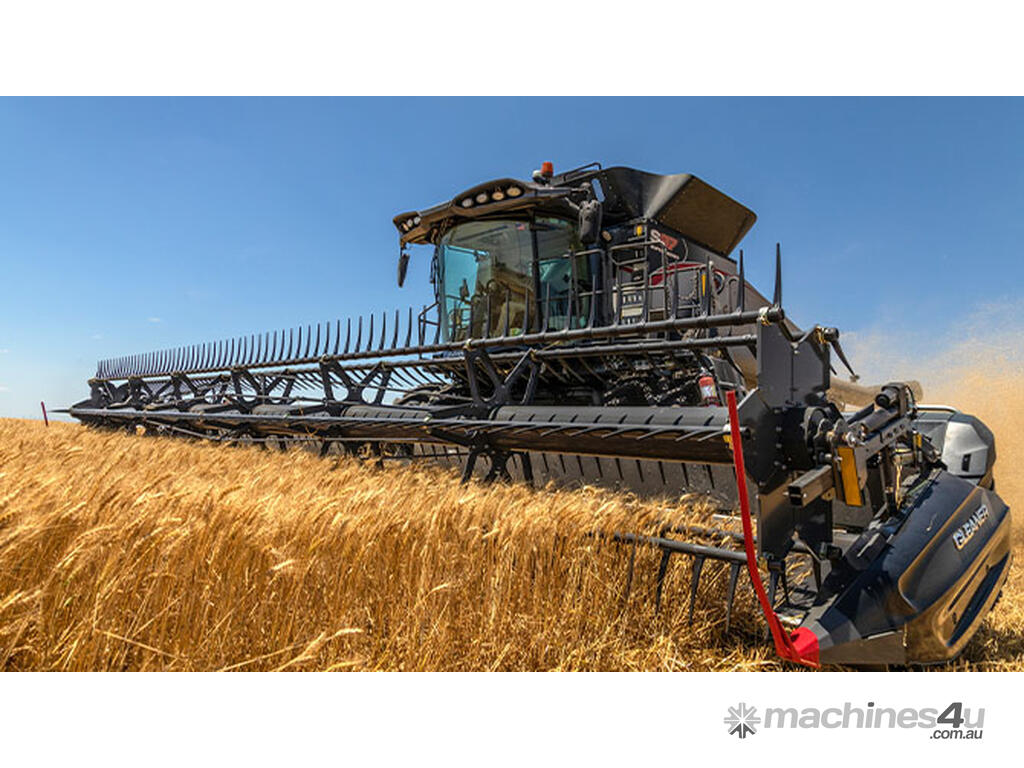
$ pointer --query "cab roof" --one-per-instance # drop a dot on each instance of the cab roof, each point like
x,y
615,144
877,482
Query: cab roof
x,y
681,201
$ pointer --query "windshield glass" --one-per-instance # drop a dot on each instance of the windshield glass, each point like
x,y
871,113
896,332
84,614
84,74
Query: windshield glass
x,y
492,272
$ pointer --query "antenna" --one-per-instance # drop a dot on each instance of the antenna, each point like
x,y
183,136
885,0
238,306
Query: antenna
x,y
777,297
742,303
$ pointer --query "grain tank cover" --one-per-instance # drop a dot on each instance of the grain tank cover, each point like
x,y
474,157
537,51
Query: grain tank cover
x,y
680,201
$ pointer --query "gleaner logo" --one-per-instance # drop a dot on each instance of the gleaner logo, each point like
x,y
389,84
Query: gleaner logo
x,y
741,720
964,533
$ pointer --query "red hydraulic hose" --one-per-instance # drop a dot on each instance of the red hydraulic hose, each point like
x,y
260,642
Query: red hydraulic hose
x,y
802,646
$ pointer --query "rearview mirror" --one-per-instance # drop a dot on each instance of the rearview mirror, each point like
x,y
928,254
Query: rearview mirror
x,y
590,221
403,266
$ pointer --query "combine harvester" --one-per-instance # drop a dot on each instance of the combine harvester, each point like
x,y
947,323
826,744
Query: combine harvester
x,y
590,326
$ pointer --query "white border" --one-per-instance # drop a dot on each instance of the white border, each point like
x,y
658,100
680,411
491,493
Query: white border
x,y
544,47
477,719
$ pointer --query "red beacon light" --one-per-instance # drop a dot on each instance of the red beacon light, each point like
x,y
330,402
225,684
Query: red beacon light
x,y
544,174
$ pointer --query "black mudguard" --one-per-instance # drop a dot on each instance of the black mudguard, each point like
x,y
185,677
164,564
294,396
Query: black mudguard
x,y
915,590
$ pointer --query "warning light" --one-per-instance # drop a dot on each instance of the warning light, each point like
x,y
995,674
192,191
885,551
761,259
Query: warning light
x,y
547,169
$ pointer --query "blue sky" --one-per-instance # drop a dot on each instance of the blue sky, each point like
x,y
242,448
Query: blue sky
x,y
134,224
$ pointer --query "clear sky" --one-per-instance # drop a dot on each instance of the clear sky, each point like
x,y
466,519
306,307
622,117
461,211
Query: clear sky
x,y
128,225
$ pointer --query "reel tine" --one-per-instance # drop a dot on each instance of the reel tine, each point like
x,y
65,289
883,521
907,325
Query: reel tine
x,y
274,353
383,330
394,339
291,341
629,575
421,329
369,334
309,338
662,570
734,573
359,335
348,334
316,345
337,336
268,353
408,332
698,565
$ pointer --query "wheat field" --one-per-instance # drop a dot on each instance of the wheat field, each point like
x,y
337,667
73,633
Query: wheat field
x,y
120,552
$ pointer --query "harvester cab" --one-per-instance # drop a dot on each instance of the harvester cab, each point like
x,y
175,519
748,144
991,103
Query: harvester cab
x,y
641,248
594,327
